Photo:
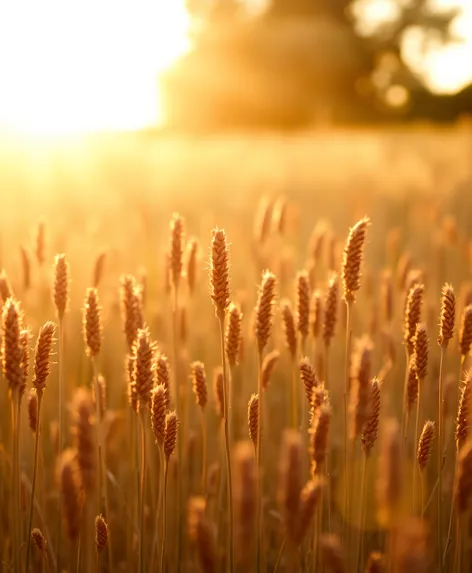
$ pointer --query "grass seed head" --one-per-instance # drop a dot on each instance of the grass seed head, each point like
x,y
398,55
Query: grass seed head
x,y
219,273
203,535
61,285
99,269
420,350
331,309
218,391
158,413
303,303
144,367
42,356
233,334
268,365
360,392
308,376
352,259
176,249
289,328
92,323
464,412
253,417
101,533
170,434
425,444
316,314
448,313
12,348
465,336
191,260
264,310
132,308
414,303
33,410
370,431
39,540
199,383
319,437
163,375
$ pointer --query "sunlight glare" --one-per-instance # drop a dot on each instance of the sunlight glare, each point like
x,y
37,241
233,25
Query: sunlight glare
x,y
74,67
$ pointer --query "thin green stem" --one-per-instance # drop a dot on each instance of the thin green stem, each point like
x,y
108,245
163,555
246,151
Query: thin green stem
x,y
143,491
33,483
164,516
227,440
440,451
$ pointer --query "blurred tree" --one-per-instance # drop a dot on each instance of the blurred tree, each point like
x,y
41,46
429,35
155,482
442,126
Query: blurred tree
x,y
303,61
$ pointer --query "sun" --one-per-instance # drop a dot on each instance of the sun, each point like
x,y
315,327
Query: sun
x,y
75,66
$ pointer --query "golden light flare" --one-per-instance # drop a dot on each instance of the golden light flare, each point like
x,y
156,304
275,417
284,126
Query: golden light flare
x,y
69,67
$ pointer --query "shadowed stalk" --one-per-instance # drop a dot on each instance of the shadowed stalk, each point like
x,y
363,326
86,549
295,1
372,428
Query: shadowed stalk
x,y
158,520
417,423
178,406
137,448
16,490
345,396
294,405
405,387
451,518
458,549
221,319
360,542
33,483
60,367
102,474
143,490
204,452
164,516
259,460
280,553
422,495
439,461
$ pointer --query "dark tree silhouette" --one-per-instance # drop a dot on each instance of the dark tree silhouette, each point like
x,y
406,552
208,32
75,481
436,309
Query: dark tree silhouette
x,y
302,61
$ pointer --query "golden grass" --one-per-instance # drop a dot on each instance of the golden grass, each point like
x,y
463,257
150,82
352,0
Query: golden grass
x,y
142,476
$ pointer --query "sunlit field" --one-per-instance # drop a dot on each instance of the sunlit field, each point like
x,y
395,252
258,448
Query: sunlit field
x,y
158,446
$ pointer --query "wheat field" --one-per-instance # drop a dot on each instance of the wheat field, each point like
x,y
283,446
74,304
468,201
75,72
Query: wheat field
x,y
242,353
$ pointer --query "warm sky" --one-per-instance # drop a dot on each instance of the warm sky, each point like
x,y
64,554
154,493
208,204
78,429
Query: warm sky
x,y
70,65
